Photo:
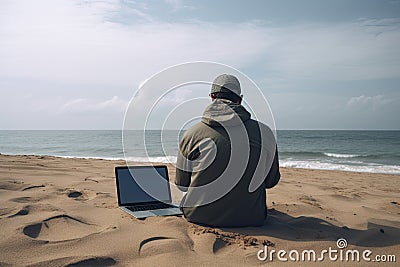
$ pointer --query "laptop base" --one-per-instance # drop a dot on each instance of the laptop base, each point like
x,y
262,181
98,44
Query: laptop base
x,y
152,213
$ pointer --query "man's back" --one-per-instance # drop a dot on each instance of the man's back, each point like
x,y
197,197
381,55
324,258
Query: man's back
x,y
236,139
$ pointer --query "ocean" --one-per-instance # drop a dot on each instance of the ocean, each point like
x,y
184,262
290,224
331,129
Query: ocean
x,y
359,151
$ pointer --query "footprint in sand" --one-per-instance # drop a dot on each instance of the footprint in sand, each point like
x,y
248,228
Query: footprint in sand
x,y
91,179
60,228
33,187
209,243
219,244
6,211
37,207
100,261
160,245
25,199
94,261
12,185
82,195
17,211
74,194
22,212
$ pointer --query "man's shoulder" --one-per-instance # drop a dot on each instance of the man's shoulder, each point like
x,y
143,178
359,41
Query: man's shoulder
x,y
258,126
256,123
195,129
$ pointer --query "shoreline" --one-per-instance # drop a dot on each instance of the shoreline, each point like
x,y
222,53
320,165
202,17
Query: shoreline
x,y
58,211
169,163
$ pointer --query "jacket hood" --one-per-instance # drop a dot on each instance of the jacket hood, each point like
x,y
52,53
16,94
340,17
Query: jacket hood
x,y
225,112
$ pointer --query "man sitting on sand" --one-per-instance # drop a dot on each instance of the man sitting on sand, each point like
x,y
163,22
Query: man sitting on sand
x,y
220,160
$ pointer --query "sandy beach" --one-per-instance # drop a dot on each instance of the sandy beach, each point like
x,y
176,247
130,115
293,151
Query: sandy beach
x,y
64,212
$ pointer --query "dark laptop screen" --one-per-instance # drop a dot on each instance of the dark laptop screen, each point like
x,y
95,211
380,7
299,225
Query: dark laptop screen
x,y
142,184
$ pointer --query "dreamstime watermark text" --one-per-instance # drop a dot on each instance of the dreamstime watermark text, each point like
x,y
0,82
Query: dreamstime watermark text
x,y
339,253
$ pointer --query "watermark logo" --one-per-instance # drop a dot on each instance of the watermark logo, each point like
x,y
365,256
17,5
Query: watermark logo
x,y
341,243
332,254
175,98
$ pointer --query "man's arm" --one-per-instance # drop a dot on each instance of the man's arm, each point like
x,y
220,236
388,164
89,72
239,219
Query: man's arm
x,y
183,172
274,175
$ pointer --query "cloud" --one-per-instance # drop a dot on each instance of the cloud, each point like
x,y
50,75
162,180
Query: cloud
x,y
345,51
66,42
369,101
371,112
378,26
89,106
179,4
89,43
109,47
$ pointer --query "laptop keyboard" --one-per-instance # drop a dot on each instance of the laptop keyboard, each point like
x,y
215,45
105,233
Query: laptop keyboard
x,y
151,207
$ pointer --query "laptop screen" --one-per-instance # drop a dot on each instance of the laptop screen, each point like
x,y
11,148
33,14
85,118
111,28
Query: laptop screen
x,y
141,184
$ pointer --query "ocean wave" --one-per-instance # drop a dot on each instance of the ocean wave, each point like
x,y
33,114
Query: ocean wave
x,y
319,165
82,157
334,155
290,163
166,159
316,155
311,154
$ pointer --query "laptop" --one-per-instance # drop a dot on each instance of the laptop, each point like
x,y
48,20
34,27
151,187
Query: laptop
x,y
144,191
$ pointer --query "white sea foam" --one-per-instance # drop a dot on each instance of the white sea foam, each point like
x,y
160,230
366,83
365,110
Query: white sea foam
x,y
389,169
82,157
341,155
166,159
290,163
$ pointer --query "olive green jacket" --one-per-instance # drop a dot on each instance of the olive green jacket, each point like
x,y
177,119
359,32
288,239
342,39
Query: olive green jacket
x,y
225,163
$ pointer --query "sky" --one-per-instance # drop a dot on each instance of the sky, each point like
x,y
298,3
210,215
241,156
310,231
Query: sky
x,y
69,64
